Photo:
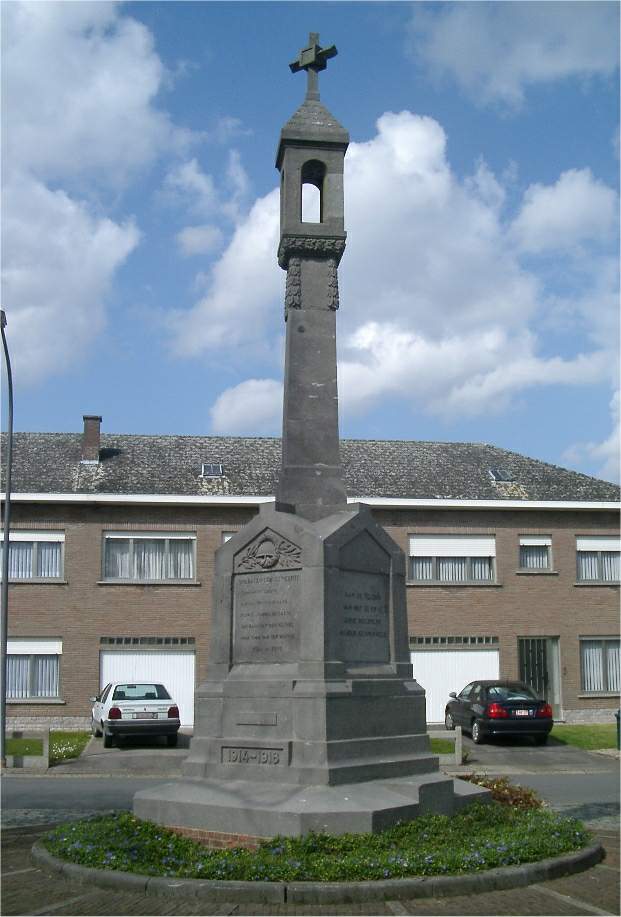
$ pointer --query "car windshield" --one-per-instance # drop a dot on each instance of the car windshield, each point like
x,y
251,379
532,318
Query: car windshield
x,y
500,693
140,692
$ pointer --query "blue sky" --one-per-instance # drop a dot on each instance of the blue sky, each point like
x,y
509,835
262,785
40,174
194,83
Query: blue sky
x,y
479,288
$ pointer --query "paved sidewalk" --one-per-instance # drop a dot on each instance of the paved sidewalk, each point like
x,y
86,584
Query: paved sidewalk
x,y
151,757
28,890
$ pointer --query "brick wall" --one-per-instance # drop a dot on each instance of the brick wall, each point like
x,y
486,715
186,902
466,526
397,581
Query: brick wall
x,y
520,605
82,609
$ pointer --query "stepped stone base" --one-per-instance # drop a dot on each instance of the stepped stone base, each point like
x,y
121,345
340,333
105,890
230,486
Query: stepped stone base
x,y
242,807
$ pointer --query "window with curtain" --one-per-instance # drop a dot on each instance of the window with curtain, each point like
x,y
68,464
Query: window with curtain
x,y
535,553
34,555
146,558
597,559
455,559
599,665
33,668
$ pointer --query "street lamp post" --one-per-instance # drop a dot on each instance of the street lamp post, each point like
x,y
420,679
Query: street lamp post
x,y
4,610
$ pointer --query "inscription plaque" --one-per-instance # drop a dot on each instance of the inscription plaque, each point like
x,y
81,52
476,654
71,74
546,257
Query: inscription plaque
x,y
266,757
265,616
364,618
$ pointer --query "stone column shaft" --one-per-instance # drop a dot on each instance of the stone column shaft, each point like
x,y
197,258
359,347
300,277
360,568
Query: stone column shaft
x,y
312,478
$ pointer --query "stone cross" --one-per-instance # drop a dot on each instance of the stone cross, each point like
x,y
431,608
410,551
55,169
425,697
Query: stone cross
x,y
313,59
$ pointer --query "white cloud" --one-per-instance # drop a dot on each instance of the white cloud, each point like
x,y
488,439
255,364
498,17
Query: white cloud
x,y
188,187
192,187
576,209
227,128
458,375
199,240
437,306
59,261
607,452
80,82
253,406
494,51
243,282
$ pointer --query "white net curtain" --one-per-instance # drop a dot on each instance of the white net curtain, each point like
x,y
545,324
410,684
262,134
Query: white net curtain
x,y
149,558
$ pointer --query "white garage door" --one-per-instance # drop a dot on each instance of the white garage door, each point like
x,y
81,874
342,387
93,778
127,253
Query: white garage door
x,y
174,670
443,671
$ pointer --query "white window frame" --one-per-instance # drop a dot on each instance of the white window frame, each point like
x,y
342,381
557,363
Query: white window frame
x,y
604,643
35,538
132,537
539,541
598,545
32,648
439,547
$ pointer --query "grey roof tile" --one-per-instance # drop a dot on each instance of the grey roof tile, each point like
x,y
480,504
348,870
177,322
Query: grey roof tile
x,y
134,464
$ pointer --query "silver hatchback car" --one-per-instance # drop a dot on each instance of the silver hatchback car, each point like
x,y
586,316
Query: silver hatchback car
x,y
134,709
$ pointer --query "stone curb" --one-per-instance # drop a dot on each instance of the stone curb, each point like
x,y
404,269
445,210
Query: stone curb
x,y
327,892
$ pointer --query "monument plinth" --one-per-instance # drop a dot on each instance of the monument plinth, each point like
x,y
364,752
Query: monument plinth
x,y
310,718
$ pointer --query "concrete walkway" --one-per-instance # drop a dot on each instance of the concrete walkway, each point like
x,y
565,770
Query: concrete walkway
x,y
149,756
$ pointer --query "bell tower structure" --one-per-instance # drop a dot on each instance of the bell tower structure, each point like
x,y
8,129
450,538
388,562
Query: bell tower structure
x,y
311,152
309,718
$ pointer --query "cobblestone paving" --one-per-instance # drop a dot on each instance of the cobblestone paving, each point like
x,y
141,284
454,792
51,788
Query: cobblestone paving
x,y
29,890
17,818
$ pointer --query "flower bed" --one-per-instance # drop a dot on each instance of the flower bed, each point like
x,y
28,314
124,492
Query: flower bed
x,y
478,838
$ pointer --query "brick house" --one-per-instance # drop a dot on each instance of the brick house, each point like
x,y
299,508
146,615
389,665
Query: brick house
x,y
513,564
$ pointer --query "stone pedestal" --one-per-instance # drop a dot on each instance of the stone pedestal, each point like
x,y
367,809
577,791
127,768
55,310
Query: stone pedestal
x,y
311,718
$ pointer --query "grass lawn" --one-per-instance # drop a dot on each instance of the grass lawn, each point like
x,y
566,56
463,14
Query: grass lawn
x,y
63,746
24,747
66,745
590,736
442,746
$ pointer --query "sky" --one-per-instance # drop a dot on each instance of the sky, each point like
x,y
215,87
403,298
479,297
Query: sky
x,y
479,288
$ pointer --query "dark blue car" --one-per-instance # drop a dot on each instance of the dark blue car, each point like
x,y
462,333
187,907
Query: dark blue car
x,y
499,708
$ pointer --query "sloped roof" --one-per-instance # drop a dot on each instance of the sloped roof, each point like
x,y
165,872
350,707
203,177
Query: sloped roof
x,y
134,464
313,121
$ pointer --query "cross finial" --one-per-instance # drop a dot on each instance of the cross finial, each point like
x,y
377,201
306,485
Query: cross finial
x,y
313,59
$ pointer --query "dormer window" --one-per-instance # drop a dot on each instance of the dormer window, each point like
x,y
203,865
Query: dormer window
x,y
501,476
212,470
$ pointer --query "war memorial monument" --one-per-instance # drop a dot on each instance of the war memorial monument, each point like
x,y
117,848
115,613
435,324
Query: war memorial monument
x,y
310,718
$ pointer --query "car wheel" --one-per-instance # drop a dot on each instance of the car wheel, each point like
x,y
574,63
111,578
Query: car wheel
x,y
540,740
95,729
477,733
108,739
171,741
448,721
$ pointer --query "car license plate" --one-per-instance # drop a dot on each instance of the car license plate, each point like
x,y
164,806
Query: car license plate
x,y
145,716
522,712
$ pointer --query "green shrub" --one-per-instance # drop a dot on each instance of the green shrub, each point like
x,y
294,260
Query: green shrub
x,y
483,836
507,793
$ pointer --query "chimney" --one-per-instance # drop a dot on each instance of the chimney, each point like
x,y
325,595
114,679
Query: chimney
x,y
90,439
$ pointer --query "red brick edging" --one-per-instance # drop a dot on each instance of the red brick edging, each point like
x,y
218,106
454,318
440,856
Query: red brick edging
x,y
219,840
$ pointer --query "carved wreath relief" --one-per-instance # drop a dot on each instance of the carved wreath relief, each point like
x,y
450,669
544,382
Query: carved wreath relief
x,y
269,551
